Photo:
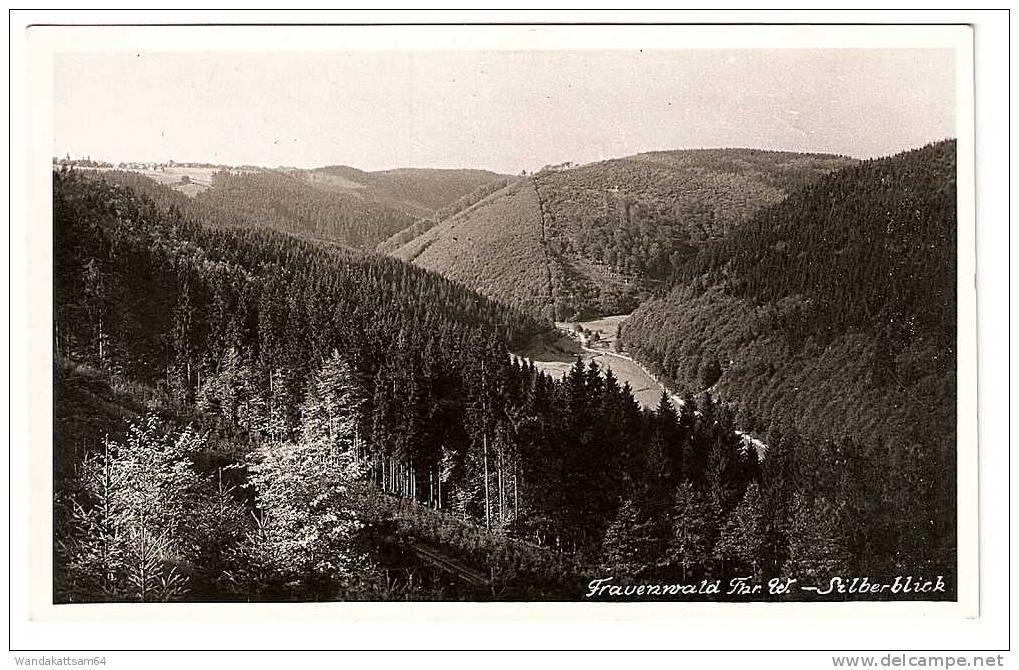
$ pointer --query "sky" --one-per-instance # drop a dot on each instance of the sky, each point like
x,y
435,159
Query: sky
x,y
501,110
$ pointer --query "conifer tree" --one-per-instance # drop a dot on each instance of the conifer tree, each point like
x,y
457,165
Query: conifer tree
x,y
183,369
632,542
668,435
131,521
816,546
331,411
305,520
692,527
741,542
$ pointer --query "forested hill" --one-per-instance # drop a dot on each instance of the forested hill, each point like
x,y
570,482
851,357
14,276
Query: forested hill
x,y
417,192
429,187
598,238
333,204
833,311
495,247
286,202
166,243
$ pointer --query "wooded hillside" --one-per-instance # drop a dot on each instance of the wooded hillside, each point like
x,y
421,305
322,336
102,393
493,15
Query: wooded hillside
x,y
335,204
833,311
610,233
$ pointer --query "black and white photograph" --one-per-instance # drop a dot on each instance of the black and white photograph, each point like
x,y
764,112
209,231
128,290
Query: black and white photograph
x,y
530,317
461,368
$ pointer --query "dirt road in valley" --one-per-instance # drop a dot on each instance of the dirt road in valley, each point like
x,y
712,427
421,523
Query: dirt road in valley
x,y
557,358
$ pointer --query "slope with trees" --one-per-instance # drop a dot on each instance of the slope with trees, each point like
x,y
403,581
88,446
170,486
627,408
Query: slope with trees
x,y
421,226
495,247
332,204
834,311
611,232
280,201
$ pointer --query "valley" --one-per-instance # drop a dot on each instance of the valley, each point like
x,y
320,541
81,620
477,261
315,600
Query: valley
x,y
406,372
558,356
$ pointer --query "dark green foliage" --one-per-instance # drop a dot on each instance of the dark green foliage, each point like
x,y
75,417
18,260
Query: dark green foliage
x,y
872,245
692,530
742,540
816,550
708,372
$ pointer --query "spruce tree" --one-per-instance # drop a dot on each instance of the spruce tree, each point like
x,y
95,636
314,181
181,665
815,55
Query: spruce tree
x,y
330,413
132,521
692,529
816,543
668,435
632,542
742,539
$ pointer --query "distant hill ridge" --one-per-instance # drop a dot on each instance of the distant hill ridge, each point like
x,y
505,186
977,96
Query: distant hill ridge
x,y
418,192
337,203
